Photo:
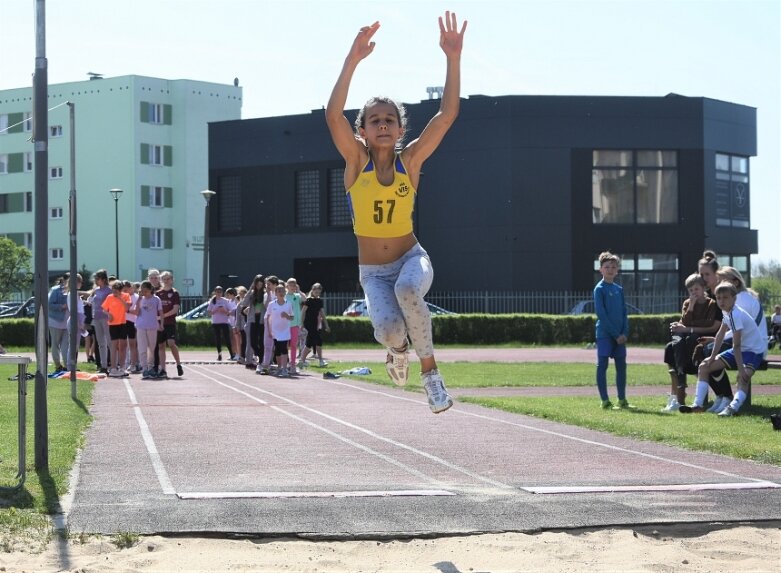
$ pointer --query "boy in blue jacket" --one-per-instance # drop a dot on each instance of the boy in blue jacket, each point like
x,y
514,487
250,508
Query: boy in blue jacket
x,y
612,330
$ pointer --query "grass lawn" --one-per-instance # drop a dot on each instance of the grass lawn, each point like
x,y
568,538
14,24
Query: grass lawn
x,y
23,513
530,374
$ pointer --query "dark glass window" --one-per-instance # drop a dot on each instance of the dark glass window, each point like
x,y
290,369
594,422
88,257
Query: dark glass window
x,y
338,207
639,186
229,203
732,191
308,198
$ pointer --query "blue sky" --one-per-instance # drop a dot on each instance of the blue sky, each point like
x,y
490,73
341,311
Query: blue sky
x,y
287,54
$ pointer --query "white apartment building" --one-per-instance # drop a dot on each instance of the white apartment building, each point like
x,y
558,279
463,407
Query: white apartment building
x,y
145,136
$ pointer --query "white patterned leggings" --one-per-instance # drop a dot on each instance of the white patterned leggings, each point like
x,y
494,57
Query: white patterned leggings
x,y
394,298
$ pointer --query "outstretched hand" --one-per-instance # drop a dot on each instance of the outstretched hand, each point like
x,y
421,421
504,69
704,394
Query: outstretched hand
x,y
362,45
450,39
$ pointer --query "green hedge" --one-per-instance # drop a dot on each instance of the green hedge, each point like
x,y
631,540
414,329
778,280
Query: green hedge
x,y
453,329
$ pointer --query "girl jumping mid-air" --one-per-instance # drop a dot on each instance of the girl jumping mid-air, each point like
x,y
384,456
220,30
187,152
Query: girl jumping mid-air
x,y
381,177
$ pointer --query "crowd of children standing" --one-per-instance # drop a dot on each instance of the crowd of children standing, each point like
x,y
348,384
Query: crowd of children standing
x,y
127,326
266,326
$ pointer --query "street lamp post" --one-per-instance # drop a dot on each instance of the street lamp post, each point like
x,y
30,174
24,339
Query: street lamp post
x,y
115,193
207,195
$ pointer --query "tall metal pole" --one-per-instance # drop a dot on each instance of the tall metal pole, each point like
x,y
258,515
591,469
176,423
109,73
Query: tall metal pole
x,y
73,329
41,276
207,195
115,193
116,233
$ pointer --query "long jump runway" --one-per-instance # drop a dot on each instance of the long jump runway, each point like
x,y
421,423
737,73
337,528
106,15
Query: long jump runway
x,y
226,450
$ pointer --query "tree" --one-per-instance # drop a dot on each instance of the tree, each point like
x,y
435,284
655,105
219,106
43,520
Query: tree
x,y
15,271
771,269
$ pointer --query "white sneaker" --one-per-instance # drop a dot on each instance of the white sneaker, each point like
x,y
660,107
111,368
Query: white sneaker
x,y
283,373
438,398
728,411
397,366
724,405
116,373
672,405
323,363
718,405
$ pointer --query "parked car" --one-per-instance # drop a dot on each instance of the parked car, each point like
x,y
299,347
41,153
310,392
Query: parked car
x,y
195,313
587,307
24,310
358,308
7,305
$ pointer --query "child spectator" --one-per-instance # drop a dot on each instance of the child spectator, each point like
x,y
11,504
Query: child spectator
x,y
612,330
296,300
116,306
268,339
313,319
775,322
698,317
279,314
78,315
132,346
230,295
748,350
149,321
169,297
58,333
219,309
240,325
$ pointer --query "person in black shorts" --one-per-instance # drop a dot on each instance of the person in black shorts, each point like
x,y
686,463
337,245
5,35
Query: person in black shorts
x,y
169,296
313,319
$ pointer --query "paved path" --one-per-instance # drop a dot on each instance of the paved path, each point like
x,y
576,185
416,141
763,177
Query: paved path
x,y
226,450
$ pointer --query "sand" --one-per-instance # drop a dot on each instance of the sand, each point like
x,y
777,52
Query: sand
x,y
700,548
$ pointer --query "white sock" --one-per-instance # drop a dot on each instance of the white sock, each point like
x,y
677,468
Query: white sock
x,y
737,402
701,394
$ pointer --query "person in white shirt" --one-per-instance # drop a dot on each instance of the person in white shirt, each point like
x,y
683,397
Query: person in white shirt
x,y
279,315
747,352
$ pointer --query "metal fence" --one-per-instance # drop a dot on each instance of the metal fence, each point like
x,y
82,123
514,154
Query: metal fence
x,y
497,302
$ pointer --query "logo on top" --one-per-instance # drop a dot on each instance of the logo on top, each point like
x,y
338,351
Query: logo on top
x,y
403,190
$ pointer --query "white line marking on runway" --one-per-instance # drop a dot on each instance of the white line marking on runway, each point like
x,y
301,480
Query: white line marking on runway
x,y
455,410
376,436
151,448
319,494
634,488
331,433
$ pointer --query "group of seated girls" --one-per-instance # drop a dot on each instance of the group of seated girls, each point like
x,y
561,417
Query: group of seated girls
x,y
720,327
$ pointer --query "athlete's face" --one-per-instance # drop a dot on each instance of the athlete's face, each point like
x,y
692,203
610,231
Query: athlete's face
x,y
381,126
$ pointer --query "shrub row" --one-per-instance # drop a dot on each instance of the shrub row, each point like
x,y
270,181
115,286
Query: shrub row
x,y
453,329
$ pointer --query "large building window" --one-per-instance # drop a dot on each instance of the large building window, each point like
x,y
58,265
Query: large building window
x,y
732,191
338,208
154,238
634,186
152,154
308,198
229,203
158,113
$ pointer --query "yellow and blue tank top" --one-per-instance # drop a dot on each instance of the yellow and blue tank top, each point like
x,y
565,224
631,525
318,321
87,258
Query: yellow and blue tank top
x,y
381,211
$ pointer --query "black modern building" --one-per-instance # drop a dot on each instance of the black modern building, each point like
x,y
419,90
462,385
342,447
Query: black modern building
x,y
522,195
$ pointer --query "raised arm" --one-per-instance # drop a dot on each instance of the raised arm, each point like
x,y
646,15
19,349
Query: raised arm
x,y
451,40
340,128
